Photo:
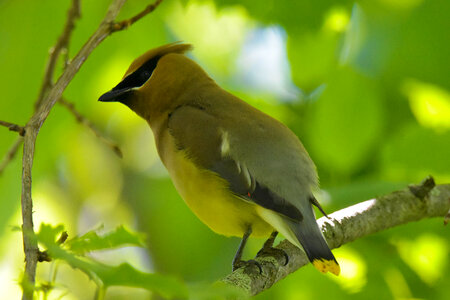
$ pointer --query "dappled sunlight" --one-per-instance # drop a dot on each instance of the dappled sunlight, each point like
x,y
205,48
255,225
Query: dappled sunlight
x,y
120,292
427,255
429,103
93,170
53,205
103,217
397,284
352,210
139,149
337,19
353,275
11,260
363,85
214,33
135,256
70,283
263,66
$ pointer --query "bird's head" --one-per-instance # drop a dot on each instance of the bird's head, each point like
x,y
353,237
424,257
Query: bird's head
x,y
151,82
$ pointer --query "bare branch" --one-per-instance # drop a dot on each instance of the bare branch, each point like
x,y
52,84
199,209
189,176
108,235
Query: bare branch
x,y
61,45
11,154
46,101
128,22
83,120
345,226
13,127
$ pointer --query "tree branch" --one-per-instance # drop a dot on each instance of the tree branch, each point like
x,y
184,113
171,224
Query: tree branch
x,y
42,111
128,22
13,127
62,43
344,226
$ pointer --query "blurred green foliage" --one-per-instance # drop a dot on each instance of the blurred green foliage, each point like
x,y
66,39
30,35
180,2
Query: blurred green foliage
x,y
364,84
104,275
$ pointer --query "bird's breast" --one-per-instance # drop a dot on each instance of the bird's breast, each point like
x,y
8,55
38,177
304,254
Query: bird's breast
x,y
207,194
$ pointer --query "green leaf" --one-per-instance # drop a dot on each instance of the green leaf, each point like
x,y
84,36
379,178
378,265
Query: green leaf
x,y
102,274
415,152
312,58
126,275
347,122
91,241
296,15
421,49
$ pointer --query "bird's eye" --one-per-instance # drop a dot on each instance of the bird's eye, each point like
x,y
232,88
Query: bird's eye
x,y
145,75
140,76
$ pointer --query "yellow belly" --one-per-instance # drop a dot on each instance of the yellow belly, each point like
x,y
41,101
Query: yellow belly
x,y
208,197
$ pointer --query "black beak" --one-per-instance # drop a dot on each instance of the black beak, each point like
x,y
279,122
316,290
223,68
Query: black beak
x,y
119,95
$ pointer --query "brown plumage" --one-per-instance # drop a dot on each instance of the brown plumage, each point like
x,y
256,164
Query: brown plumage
x,y
239,170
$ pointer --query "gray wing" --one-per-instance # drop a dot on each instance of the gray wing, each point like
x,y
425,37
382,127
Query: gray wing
x,y
206,143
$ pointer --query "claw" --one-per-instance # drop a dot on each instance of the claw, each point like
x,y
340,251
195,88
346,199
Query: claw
x,y
247,264
269,250
273,252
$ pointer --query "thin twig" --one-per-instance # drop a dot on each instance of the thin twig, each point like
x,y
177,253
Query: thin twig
x,y
61,44
32,129
44,256
13,127
30,247
128,22
11,154
345,226
86,122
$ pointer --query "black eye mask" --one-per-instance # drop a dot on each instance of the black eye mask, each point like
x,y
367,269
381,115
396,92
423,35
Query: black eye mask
x,y
136,79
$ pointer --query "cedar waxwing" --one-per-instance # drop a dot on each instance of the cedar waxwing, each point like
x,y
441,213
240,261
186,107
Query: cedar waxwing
x,y
239,170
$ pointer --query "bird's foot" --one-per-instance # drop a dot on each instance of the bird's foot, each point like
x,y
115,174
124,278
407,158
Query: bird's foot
x,y
253,264
268,250
279,254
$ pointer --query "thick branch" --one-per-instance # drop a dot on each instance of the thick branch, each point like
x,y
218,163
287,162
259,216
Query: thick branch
x,y
346,225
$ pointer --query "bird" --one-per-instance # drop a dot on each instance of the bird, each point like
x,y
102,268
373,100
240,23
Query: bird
x,y
239,170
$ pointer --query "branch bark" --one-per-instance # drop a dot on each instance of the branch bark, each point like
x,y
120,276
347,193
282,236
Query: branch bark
x,y
128,22
13,127
45,103
344,226
31,131
62,43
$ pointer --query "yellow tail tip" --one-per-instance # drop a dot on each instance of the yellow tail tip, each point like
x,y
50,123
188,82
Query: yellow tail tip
x,y
325,266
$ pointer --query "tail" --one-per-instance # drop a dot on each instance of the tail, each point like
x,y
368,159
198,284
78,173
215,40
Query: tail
x,y
313,242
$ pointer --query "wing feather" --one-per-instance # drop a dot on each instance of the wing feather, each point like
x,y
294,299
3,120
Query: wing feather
x,y
207,144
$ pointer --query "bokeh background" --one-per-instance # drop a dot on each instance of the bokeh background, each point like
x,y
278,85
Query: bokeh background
x,y
364,84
